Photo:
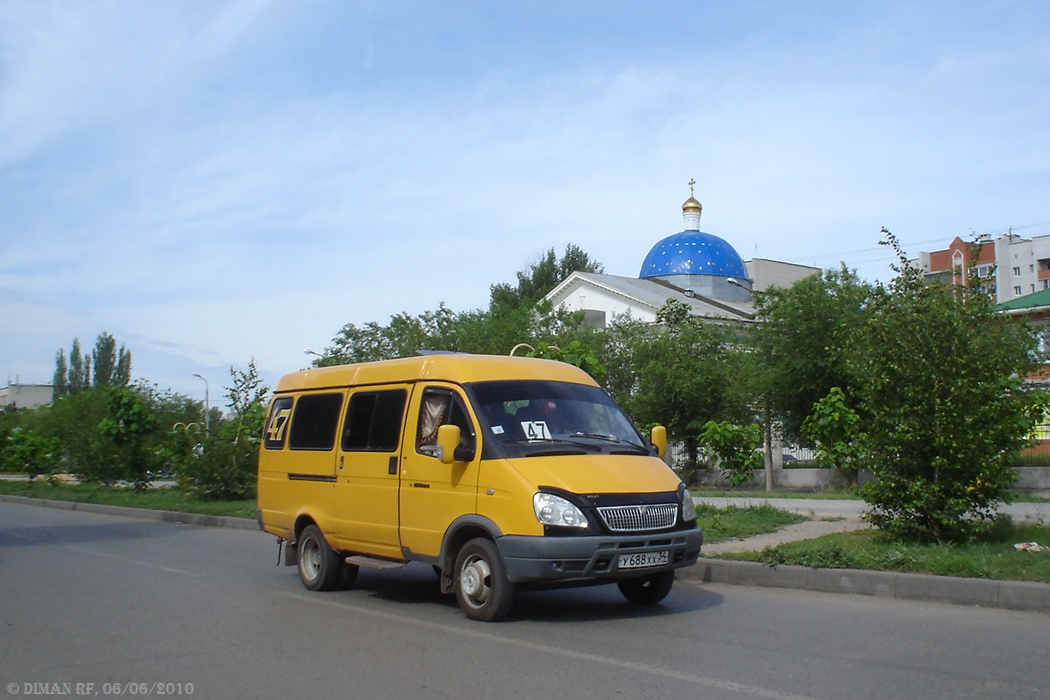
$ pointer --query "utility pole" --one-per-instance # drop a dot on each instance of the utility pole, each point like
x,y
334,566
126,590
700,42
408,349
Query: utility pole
x,y
207,404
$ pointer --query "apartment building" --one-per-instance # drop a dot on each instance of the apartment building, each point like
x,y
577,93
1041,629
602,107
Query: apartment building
x,y
1009,266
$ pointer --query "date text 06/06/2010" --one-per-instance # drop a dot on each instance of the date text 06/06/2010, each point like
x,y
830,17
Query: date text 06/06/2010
x,y
96,689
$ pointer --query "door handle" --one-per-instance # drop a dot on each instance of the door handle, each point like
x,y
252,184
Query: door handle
x,y
391,467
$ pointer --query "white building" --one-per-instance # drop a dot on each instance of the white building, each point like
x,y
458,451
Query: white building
x,y
26,395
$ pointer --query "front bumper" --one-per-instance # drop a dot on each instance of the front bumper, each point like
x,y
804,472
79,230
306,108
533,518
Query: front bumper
x,y
593,557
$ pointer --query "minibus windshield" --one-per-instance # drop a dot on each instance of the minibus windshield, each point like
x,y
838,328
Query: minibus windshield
x,y
534,417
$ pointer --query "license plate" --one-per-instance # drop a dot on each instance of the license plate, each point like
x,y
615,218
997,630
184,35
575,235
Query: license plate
x,y
643,560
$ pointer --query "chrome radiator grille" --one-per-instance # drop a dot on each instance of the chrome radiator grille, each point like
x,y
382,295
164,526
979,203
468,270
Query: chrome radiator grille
x,y
644,517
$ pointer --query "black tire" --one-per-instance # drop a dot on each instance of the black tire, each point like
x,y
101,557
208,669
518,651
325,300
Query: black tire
x,y
482,587
647,590
319,565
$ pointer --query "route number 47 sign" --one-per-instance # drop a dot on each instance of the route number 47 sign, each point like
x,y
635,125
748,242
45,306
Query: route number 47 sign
x,y
535,430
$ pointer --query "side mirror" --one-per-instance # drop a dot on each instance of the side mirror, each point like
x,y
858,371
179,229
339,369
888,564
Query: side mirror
x,y
448,441
659,440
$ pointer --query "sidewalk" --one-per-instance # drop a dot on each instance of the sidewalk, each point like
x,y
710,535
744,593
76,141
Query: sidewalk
x,y
852,509
811,529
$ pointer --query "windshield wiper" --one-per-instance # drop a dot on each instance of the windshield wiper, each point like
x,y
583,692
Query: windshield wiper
x,y
641,449
596,436
546,441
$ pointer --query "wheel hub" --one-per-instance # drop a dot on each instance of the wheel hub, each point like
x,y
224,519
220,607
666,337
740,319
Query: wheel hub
x,y
472,580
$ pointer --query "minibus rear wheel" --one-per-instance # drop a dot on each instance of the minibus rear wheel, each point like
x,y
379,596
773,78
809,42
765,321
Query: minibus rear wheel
x,y
482,587
647,590
319,565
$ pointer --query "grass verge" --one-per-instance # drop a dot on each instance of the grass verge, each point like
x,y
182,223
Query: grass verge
x,y
991,557
153,499
732,522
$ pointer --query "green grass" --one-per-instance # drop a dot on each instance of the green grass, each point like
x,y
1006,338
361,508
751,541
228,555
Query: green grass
x,y
732,522
153,499
991,557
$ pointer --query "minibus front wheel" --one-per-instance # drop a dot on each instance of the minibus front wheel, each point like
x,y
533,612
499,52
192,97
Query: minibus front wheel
x,y
482,587
647,590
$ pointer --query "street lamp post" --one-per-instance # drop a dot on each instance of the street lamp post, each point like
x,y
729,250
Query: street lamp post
x,y
207,404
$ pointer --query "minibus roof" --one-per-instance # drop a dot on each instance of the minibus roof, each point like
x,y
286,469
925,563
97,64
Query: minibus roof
x,y
457,368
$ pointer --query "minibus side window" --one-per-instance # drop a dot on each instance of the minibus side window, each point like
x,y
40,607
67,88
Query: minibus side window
x,y
438,408
277,424
314,422
373,421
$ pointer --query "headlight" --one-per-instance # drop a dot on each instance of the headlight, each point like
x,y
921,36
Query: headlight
x,y
688,507
555,510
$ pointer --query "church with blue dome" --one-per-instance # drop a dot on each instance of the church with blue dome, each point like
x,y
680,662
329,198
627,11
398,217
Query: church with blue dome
x,y
700,269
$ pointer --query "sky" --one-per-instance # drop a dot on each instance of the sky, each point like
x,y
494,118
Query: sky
x,y
215,182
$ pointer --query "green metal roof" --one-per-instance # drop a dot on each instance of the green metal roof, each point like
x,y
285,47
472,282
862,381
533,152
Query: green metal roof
x,y
1028,301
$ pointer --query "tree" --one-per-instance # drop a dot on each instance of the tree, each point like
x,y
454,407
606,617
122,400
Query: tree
x,y
515,315
575,353
943,402
803,339
129,425
79,369
74,420
540,277
60,382
104,359
111,367
677,373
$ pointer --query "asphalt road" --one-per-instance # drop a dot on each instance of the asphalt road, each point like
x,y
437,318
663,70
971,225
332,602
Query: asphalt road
x,y
87,598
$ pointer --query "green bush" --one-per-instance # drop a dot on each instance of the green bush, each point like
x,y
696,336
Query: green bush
x,y
223,466
833,427
946,409
28,452
738,448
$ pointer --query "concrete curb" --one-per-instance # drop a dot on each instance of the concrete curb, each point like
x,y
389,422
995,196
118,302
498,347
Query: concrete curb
x,y
169,516
1013,595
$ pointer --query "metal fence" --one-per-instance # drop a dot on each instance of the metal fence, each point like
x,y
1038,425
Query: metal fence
x,y
678,454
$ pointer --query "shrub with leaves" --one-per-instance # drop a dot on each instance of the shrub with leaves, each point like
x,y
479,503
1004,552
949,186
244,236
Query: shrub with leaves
x,y
28,452
833,428
128,427
944,404
738,448
224,467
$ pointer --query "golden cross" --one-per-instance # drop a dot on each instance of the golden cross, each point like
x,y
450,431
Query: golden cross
x,y
691,183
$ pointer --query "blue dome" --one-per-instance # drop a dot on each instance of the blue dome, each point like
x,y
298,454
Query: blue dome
x,y
693,253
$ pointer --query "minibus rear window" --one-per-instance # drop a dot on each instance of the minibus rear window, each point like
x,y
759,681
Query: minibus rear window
x,y
314,422
277,424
